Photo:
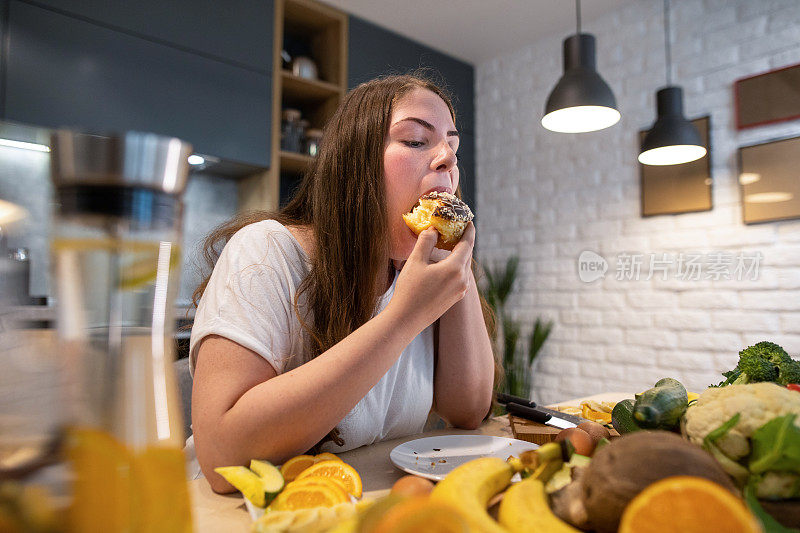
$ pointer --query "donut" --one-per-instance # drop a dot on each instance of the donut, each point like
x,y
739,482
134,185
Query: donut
x,y
445,212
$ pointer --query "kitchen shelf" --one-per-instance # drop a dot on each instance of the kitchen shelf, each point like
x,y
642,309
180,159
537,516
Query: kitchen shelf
x,y
324,29
308,90
294,162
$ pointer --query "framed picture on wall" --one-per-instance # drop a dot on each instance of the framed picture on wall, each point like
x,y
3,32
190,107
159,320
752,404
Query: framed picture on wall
x,y
674,189
769,180
768,98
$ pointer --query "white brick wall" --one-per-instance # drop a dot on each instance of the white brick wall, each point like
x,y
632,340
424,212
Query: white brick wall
x,y
547,196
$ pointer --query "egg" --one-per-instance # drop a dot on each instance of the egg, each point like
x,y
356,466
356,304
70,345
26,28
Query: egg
x,y
412,486
581,440
595,430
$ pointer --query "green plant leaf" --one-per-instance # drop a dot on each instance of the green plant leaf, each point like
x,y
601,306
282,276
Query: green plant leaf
x,y
776,446
722,430
769,524
511,334
490,288
541,331
506,282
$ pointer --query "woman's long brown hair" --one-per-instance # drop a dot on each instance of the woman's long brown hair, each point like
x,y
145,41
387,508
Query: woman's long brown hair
x,y
342,200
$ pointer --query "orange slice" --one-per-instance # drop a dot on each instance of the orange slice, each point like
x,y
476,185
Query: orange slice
x,y
687,504
292,468
326,456
422,514
334,483
338,470
595,416
307,497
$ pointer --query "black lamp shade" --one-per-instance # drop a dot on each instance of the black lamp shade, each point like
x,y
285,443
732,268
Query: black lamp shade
x,y
581,86
670,131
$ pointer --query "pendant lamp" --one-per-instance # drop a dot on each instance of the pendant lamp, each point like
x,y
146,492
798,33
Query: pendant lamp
x,y
673,139
581,101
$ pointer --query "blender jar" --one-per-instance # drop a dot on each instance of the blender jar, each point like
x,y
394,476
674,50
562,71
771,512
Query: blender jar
x,y
116,260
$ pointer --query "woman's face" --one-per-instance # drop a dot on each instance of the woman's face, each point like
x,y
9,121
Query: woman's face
x,y
419,157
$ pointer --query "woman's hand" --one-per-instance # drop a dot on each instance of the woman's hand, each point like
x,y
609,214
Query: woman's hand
x,y
425,290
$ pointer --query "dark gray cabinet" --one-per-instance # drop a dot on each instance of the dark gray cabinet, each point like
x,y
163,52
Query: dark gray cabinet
x,y
375,51
239,31
64,71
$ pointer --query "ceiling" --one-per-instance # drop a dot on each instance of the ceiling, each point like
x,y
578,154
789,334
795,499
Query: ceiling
x,y
476,30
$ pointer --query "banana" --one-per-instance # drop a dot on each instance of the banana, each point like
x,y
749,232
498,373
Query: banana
x,y
470,487
525,509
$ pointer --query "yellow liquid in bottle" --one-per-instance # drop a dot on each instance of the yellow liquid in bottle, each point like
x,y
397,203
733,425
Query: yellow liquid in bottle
x,y
116,489
125,451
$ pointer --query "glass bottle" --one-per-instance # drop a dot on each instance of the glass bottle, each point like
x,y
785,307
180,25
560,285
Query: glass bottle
x,y
290,130
116,259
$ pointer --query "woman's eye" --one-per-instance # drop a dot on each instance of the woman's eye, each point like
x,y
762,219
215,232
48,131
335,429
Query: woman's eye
x,y
414,144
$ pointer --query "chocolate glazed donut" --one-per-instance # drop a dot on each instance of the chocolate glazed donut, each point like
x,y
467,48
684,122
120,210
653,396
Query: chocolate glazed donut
x,y
445,212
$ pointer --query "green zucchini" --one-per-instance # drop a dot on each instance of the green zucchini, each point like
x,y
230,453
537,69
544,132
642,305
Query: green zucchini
x,y
622,417
662,406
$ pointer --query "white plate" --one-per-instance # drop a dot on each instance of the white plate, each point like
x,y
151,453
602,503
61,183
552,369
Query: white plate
x,y
435,457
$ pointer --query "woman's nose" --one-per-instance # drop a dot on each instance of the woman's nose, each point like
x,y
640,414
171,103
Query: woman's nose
x,y
445,158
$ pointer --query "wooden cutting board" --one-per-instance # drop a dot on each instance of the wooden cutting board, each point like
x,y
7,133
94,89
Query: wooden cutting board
x,y
530,431
524,429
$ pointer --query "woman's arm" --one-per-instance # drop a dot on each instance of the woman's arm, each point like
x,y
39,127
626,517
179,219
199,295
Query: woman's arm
x,y
464,373
241,409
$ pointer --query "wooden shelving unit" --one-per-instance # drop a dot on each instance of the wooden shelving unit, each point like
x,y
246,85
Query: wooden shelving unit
x,y
294,163
323,30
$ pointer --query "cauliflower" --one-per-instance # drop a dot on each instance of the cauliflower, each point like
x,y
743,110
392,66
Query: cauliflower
x,y
743,409
757,403
777,486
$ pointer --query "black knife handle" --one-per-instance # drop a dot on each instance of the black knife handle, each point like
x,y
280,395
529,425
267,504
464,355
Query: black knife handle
x,y
527,412
507,398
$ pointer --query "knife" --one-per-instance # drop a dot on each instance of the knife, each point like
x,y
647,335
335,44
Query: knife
x,y
543,415
508,398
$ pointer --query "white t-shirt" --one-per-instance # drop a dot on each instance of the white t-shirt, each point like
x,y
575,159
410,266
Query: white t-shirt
x,y
249,300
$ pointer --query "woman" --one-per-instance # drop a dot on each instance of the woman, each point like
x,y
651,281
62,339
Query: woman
x,y
323,319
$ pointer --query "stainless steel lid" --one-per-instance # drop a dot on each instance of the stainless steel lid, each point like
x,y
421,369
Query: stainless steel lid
x,y
130,159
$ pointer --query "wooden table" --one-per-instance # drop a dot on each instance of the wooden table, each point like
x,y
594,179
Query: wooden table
x,y
214,512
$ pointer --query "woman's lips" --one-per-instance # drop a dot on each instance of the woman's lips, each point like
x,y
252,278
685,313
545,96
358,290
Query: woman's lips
x,y
439,189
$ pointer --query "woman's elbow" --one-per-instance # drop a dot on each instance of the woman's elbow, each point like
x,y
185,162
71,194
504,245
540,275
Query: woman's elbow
x,y
469,424
468,420
209,462
218,483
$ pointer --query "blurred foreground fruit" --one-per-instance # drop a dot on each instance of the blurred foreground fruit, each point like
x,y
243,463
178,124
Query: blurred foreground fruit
x,y
469,488
420,513
525,509
622,469
306,520
685,504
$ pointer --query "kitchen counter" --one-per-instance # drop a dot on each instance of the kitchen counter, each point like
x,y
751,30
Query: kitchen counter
x,y
215,512
44,316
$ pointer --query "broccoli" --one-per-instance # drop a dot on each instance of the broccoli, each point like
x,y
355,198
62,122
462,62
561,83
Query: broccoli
x,y
788,372
730,377
764,361
755,367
